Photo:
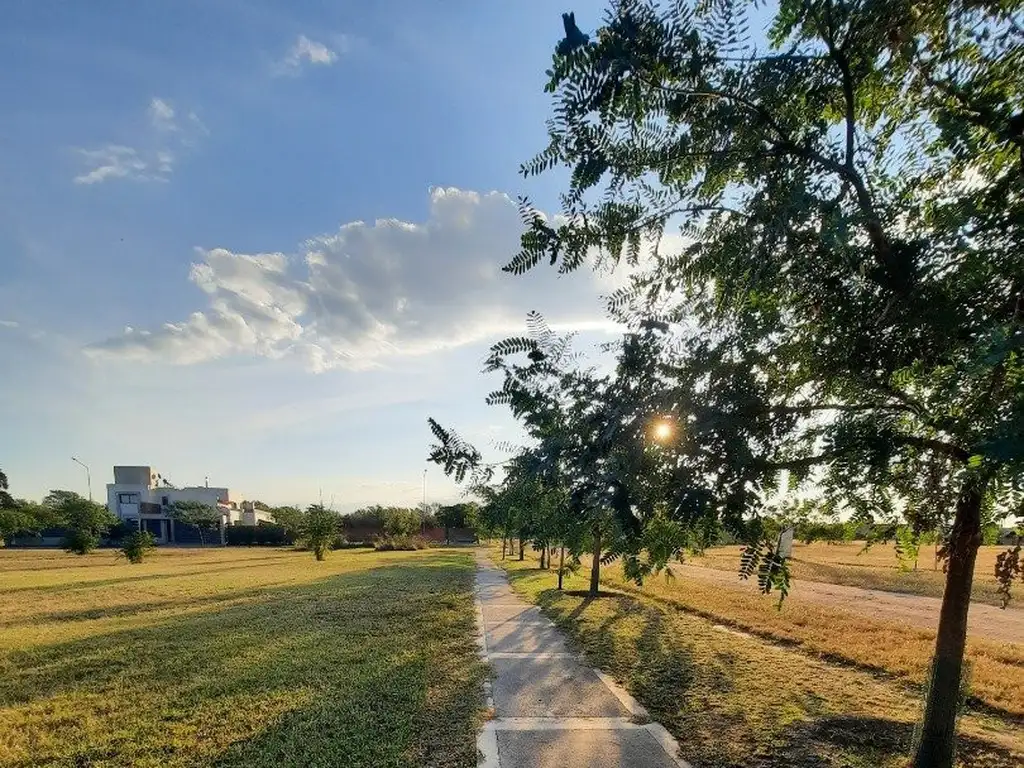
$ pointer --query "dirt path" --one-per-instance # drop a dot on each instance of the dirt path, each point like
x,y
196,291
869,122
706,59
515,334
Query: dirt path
x,y
985,621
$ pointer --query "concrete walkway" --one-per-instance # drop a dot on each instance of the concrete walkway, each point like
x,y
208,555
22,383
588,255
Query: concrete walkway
x,y
552,710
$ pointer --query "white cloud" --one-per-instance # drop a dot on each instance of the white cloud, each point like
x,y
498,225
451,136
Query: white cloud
x,y
306,51
111,162
154,156
368,292
10,324
161,115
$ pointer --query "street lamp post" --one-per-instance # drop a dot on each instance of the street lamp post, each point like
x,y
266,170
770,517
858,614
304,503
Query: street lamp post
x,y
423,514
88,475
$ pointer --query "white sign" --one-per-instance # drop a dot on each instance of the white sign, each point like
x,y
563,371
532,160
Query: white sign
x,y
785,548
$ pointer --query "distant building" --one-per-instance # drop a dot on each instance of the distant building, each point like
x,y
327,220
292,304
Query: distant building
x,y
142,497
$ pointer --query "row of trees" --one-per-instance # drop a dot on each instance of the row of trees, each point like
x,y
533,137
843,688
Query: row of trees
x,y
841,314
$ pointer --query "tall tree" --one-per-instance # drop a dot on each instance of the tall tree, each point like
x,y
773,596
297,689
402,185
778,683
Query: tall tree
x,y
289,518
850,280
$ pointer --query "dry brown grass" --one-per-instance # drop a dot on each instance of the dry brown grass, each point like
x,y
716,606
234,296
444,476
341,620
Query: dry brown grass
x,y
904,652
876,568
736,700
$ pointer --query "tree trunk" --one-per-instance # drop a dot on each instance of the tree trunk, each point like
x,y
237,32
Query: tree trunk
x,y
543,554
522,551
938,731
504,541
561,566
595,567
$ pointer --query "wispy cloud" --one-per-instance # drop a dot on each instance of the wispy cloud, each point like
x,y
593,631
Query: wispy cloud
x,y
153,159
111,162
10,324
306,52
161,115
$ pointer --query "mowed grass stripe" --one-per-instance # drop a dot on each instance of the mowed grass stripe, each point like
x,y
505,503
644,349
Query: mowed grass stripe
x,y
240,657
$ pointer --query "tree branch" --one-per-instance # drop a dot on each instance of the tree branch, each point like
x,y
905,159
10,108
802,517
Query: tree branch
x,y
932,444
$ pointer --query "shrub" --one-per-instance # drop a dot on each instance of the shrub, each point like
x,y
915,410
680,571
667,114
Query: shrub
x,y
80,541
136,545
319,529
399,543
120,530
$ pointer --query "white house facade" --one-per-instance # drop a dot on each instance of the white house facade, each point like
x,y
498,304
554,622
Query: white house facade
x,y
141,496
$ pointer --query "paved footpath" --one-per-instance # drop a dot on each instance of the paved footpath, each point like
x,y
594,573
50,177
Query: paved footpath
x,y
552,710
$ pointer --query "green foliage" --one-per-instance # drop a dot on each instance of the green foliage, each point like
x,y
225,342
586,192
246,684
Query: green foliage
x,y
392,521
136,545
84,521
908,548
120,530
319,529
204,517
845,302
19,516
80,541
289,518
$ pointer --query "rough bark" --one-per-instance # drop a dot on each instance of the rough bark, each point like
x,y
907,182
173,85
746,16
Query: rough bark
x,y
522,550
595,567
543,557
938,732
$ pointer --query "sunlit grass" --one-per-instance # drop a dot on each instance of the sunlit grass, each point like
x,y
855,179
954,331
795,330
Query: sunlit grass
x,y
735,700
238,657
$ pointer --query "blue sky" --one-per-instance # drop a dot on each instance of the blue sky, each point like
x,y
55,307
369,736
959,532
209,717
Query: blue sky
x,y
298,210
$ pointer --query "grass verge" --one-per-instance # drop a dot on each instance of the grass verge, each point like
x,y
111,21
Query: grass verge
x,y
239,658
735,700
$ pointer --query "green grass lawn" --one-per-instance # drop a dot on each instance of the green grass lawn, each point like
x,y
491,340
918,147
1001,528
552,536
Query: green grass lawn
x,y
247,657
735,701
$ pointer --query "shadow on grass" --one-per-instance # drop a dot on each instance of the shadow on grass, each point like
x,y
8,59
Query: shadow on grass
x,y
733,705
877,738
376,667
260,562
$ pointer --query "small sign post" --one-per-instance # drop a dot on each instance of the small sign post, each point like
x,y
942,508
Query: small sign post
x,y
785,548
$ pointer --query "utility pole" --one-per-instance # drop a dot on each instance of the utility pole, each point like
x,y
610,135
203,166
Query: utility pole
x,y
88,475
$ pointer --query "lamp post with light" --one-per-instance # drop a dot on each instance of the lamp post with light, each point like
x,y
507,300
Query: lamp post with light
x,y
88,475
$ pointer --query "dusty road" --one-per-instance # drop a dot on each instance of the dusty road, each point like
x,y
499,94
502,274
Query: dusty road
x,y
985,621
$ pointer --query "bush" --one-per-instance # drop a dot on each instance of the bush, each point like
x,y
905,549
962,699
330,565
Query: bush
x,y
79,541
399,543
319,530
136,545
120,530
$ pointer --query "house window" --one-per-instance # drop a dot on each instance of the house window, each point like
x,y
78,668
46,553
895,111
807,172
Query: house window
x,y
165,501
128,498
